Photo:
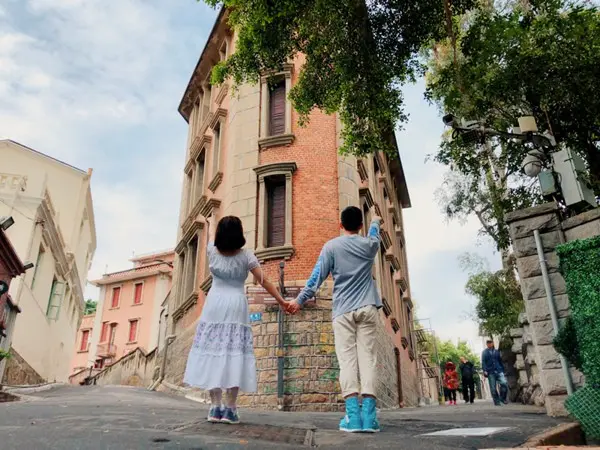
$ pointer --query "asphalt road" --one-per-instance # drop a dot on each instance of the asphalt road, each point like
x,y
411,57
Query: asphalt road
x,y
123,418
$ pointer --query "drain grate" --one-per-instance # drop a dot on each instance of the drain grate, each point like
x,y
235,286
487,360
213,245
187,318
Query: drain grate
x,y
248,431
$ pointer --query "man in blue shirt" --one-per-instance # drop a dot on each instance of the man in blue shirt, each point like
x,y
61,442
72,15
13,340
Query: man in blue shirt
x,y
349,259
493,369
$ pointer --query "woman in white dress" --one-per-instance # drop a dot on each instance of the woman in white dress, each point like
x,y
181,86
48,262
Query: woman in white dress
x,y
222,355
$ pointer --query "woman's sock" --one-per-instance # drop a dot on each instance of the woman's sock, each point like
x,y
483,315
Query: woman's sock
x,y
216,397
232,394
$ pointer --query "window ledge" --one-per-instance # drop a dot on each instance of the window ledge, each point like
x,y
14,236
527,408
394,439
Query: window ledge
x,y
206,284
267,254
190,301
216,181
82,351
131,342
137,304
276,141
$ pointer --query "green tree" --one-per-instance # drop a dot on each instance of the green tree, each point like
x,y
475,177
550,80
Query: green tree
x,y
515,58
357,54
498,294
90,306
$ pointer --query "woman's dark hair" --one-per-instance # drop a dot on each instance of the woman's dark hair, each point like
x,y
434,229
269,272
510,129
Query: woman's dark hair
x,y
352,219
230,234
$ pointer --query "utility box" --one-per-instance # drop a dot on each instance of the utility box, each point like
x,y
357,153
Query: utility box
x,y
571,169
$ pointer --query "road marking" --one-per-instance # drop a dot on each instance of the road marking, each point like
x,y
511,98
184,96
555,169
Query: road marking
x,y
486,431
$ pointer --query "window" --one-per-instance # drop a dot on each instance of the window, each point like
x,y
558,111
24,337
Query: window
x,y
206,99
189,182
116,296
137,293
275,211
216,149
55,299
104,333
38,263
85,336
199,180
277,108
223,51
133,328
409,325
376,168
191,269
113,332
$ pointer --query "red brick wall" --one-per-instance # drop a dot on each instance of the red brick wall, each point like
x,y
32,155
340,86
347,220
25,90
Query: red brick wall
x,y
315,211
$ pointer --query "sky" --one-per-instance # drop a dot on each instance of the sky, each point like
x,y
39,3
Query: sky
x,y
96,83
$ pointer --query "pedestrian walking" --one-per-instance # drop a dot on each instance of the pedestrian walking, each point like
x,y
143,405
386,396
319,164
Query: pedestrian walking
x,y
467,376
349,259
493,370
222,356
451,381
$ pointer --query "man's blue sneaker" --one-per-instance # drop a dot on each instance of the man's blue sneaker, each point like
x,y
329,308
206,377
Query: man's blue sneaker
x,y
369,415
215,414
230,416
351,422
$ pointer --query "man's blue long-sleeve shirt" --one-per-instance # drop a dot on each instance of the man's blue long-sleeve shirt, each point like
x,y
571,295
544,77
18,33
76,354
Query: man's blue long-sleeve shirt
x,y
491,361
349,259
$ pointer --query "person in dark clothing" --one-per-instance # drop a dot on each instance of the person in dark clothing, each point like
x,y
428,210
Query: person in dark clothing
x,y
493,370
467,372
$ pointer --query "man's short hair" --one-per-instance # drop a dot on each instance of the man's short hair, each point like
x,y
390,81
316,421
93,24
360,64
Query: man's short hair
x,y
352,218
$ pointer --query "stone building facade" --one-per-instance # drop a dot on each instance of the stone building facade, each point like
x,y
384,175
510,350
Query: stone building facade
x,y
246,156
541,378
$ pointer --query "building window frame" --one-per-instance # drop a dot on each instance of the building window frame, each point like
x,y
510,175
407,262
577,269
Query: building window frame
x,y
133,300
135,320
112,296
85,332
264,172
287,137
38,264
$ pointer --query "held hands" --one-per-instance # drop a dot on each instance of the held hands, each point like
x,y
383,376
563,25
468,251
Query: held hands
x,y
290,307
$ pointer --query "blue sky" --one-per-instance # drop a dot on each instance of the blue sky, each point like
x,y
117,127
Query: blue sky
x,y
97,83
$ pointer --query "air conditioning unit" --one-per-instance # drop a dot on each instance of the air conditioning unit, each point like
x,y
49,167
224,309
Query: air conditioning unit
x,y
571,170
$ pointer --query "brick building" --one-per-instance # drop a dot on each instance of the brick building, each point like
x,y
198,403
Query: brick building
x,y
246,156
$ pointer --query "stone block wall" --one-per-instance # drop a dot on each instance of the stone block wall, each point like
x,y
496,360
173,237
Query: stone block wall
x,y
19,373
538,363
311,369
134,369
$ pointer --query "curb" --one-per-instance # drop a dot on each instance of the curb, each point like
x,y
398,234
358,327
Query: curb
x,y
563,434
26,390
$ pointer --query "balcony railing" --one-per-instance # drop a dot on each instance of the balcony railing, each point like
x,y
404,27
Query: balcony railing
x,y
107,350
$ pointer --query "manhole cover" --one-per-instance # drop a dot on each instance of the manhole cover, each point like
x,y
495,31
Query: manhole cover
x,y
269,433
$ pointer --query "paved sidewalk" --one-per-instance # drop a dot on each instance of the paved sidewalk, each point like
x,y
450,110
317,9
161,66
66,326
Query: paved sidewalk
x,y
103,417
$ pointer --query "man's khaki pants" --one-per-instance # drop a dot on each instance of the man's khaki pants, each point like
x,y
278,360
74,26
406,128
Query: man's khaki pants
x,y
356,351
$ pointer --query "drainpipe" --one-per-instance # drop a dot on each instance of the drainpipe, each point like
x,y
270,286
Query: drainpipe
x,y
280,356
552,307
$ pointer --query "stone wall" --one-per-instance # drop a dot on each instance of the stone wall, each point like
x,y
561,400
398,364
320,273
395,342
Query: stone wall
x,y
537,362
134,369
311,369
19,373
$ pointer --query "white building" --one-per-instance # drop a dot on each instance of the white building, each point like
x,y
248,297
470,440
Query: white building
x,y
51,204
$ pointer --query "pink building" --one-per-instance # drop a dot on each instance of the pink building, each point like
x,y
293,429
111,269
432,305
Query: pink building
x,y
128,314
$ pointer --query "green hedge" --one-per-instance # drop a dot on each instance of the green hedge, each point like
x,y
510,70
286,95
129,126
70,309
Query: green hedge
x,y
580,266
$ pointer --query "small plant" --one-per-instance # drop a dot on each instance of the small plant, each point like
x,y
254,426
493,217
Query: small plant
x,y
4,354
566,344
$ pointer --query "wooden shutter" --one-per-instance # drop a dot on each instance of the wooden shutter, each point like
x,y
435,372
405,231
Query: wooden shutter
x,y
84,340
276,213
137,297
277,109
55,300
133,330
104,333
116,295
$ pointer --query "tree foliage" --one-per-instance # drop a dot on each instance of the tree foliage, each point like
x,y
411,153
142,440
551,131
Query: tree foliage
x,y
356,54
450,351
90,306
527,57
499,301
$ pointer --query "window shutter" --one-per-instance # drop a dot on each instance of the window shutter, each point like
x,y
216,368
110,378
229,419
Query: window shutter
x,y
116,294
56,297
133,330
104,333
276,213
277,109
84,340
137,299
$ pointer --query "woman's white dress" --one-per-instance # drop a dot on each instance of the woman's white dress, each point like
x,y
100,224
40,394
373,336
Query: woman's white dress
x,y
222,355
